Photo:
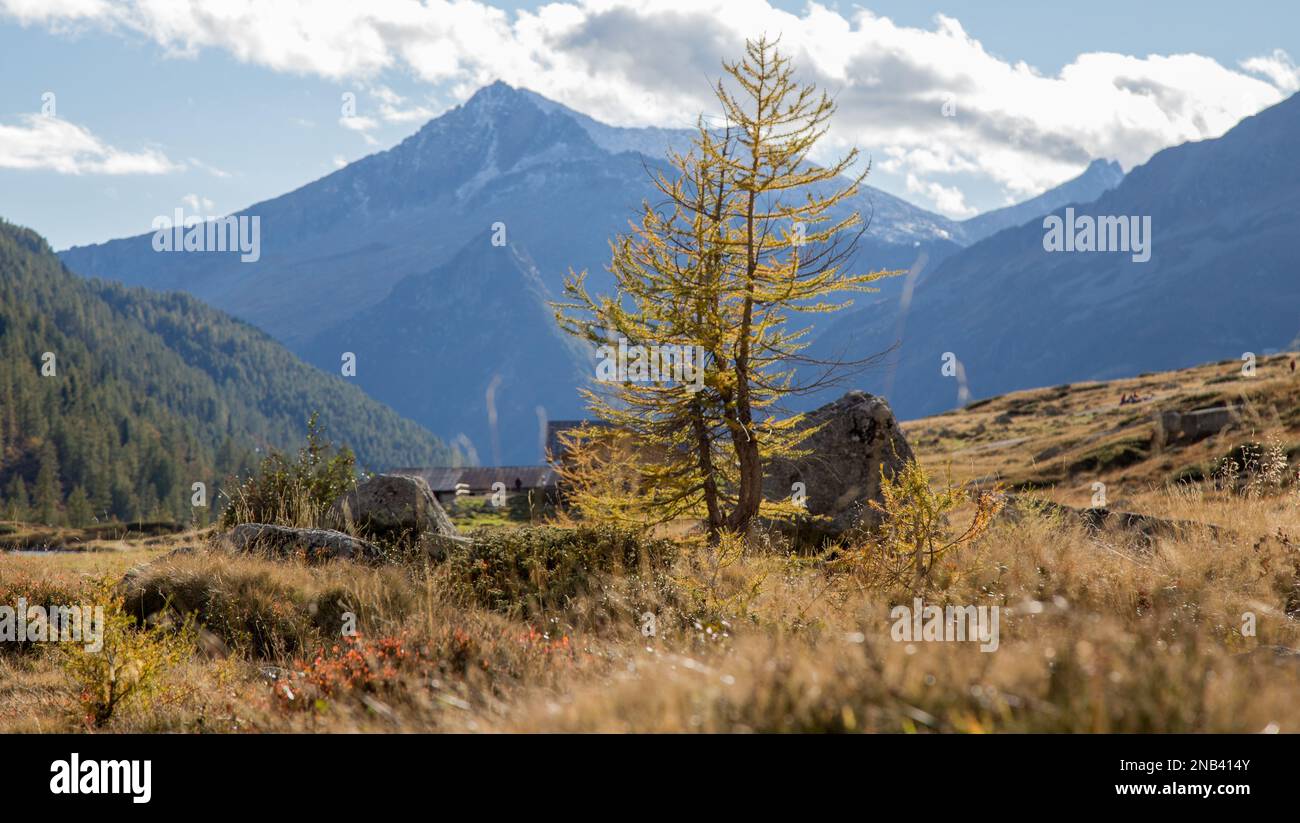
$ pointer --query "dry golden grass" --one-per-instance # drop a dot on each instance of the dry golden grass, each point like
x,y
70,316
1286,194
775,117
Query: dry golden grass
x,y
1097,633
541,631
1094,637
1065,438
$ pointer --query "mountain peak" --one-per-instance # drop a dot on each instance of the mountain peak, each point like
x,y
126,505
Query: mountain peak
x,y
1107,169
499,129
499,109
498,101
1099,177
494,94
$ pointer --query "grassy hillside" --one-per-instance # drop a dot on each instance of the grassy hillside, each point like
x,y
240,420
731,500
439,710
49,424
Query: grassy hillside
x,y
149,393
544,629
1064,439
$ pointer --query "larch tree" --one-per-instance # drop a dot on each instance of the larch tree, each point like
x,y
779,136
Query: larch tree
x,y
748,236
669,273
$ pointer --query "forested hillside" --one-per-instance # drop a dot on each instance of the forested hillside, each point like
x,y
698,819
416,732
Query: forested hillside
x,y
114,401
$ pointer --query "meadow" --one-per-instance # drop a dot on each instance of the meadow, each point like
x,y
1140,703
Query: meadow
x,y
537,627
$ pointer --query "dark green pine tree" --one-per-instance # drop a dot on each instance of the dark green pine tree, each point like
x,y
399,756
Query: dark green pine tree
x,y
80,513
49,493
19,503
122,501
152,393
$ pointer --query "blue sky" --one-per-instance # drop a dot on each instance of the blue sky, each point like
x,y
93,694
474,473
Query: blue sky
x,y
158,106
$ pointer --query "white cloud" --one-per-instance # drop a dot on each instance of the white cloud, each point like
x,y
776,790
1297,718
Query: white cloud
x,y
57,11
632,63
361,125
947,199
212,170
1277,68
357,122
41,142
195,203
393,107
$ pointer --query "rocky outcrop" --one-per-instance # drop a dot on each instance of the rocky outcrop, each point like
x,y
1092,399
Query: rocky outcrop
x,y
389,506
854,439
1145,528
383,508
1197,424
312,545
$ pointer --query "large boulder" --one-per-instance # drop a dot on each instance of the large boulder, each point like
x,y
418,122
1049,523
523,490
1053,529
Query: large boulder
x,y
858,436
312,545
393,505
1197,425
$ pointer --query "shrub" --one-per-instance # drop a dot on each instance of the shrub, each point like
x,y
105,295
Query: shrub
x,y
45,590
536,569
295,493
251,613
131,665
913,534
1254,469
265,611
355,665
718,584
1117,454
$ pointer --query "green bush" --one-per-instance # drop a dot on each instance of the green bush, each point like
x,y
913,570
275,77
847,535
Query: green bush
x,y
46,590
537,569
130,668
295,493
1117,454
913,533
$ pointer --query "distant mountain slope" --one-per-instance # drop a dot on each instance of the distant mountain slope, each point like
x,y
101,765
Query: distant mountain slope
x,y
338,245
435,346
1223,279
336,248
152,392
1100,177
559,183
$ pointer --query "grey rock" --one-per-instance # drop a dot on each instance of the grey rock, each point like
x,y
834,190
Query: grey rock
x,y
312,544
857,438
1146,528
1198,424
392,505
